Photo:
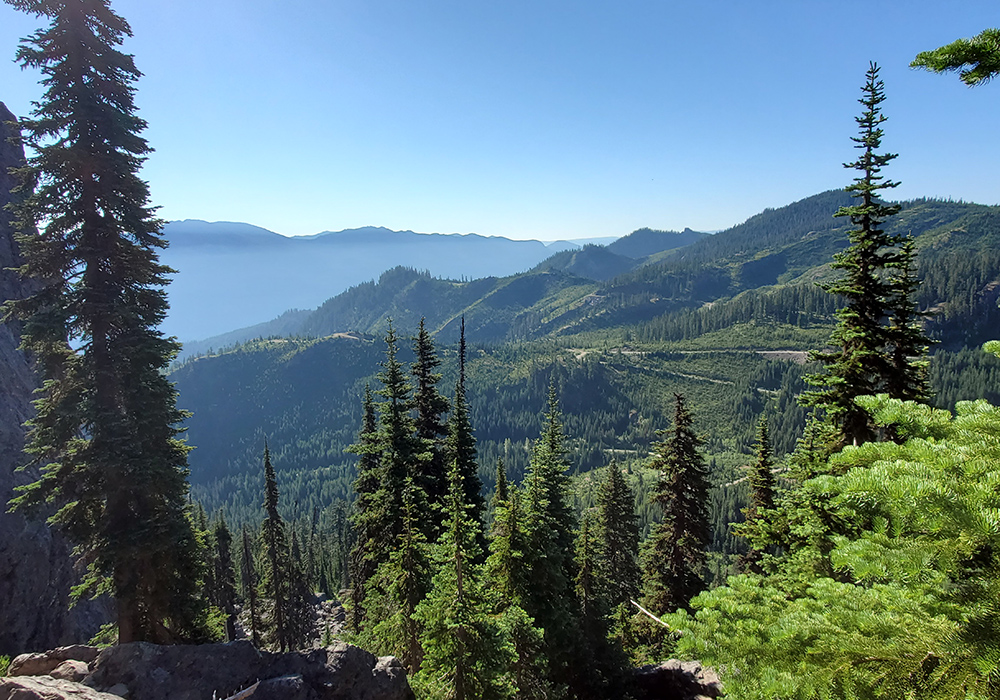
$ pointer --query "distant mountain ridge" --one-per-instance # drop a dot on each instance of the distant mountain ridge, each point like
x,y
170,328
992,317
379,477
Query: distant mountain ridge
x,y
232,275
595,288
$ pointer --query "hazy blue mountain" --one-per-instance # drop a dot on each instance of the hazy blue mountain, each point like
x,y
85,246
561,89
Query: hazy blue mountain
x,y
645,242
592,262
233,275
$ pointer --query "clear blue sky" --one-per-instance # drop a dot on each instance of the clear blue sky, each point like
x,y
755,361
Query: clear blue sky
x,y
531,118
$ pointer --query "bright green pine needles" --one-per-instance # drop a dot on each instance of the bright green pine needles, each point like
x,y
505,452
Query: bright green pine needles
x,y
912,608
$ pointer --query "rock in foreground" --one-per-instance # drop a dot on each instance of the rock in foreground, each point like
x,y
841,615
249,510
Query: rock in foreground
x,y
204,672
142,671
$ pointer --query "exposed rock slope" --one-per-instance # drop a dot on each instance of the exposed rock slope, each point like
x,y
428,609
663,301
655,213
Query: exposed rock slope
x,y
35,570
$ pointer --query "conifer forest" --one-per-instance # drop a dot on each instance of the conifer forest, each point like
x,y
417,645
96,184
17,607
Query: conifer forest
x,y
774,449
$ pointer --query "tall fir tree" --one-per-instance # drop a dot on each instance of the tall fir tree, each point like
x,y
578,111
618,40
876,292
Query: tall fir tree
x,y
673,557
907,341
617,539
368,517
301,618
225,576
464,651
249,582
462,446
398,586
274,582
549,525
400,451
759,512
431,428
861,363
105,433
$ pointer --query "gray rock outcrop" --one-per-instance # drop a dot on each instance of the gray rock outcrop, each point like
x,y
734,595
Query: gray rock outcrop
x,y
239,670
675,680
35,567
48,688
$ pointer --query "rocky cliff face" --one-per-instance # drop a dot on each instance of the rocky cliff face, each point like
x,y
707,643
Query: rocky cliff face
x,y
35,567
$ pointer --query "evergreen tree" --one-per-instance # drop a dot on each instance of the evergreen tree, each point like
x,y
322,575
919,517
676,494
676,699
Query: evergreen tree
x,y
225,576
462,446
430,405
861,363
248,584
760,510
549,524
617,540
369,518
977,60
464,654
105,433
401,453
674,555
274,582
907,342
506,580
399,584
301,619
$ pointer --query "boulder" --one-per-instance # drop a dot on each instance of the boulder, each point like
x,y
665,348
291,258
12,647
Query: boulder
x,y
239,670
46,688
675,680
46,662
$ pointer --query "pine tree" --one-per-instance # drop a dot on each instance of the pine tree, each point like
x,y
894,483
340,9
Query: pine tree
x,y
105,433
462,446
248,585
225,576
400,451
506,579
274,582
617,539
430,405
301,617
368,518
760,511
549,524
674,555
907,342
399,584
464,655
861,364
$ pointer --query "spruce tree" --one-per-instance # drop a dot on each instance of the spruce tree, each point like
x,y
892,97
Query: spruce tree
x,y
617,539
549,525
462,446
274,582
399,584
301,617
760,510
506,580
430,405
400,451
369,518
464,655
673,557
105,433
248,585
225,576
907,342
861,363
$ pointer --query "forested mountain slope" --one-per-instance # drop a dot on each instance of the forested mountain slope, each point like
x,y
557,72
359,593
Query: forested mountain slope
x,y
595,289
695,322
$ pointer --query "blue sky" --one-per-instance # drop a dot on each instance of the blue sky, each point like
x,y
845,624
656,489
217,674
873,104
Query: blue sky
x,y
534,119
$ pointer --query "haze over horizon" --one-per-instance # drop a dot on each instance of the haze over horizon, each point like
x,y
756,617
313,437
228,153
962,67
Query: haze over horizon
x,y
549,121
